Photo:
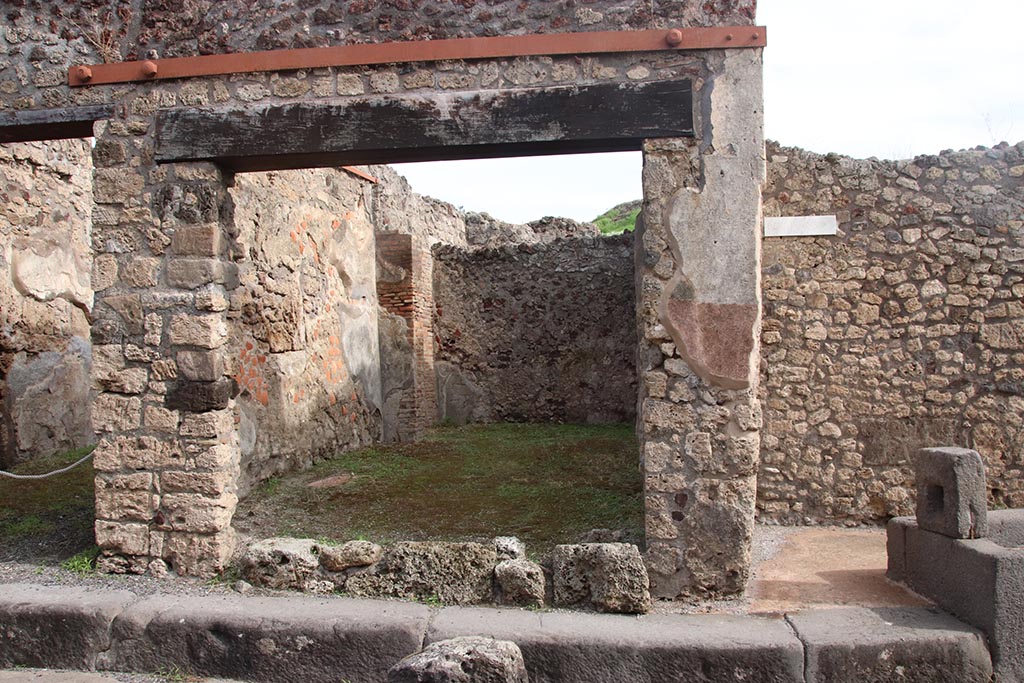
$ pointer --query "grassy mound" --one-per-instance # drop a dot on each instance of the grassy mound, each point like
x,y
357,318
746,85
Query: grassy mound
x,y
619,219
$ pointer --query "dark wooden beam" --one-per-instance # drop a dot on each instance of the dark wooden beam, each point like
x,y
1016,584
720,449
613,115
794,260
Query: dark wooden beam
x,y
52,124
394,129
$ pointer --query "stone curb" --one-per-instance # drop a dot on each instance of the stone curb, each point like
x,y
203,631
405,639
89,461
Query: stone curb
x,y
324,640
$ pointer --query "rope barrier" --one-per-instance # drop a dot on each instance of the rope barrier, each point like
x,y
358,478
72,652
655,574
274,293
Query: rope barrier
x,y
48,474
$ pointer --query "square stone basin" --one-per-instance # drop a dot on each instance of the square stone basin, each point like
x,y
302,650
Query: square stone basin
x,y
979,580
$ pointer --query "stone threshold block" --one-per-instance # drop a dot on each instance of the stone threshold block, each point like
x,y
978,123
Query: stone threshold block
x,y
46,626
978,580
910,645
324,639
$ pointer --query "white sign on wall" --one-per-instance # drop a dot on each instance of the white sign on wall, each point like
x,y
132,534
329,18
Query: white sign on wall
x,y
800,226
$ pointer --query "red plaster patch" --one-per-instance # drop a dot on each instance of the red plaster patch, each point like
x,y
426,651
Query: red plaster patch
x,y
717,339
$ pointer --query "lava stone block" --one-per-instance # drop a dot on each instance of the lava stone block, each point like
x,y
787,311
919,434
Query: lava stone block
x,y
951,492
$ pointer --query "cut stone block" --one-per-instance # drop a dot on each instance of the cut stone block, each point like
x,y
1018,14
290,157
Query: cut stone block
x,y
200,397
951,492
454,573
266,639
1006,528
612,576
574,647
890,644
283,563
57,626
519,582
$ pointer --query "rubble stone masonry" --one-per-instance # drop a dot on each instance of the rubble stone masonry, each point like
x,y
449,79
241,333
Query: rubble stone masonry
x,y
537,332
904,330
304,348
45,297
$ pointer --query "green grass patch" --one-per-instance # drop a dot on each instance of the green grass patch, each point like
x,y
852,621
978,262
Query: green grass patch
x,y
619,219
47,520
546,484
82,563
29,525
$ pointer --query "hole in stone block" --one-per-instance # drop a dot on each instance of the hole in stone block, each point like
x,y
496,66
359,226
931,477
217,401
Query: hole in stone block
x,y
934,498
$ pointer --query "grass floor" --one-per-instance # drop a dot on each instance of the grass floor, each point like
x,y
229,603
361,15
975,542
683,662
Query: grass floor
x,y
546,484
47,520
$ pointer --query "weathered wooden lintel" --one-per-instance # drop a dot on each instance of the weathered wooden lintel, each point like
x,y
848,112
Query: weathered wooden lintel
x,y
395,129
52,124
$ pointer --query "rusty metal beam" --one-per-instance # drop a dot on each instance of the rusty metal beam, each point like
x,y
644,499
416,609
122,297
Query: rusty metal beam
x,y
422,51
360,174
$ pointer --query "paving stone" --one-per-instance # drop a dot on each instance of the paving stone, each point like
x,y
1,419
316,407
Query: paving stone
x,y
568,647
57,626
889,644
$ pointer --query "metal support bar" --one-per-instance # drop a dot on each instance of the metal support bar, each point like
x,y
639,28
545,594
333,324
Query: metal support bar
x,y
422,51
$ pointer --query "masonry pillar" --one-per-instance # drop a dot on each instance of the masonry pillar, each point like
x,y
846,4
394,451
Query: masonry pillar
x,y
405,289
699,315
167,459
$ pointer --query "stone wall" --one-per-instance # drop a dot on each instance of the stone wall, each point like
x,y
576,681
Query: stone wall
x,y
304,319
698,313
904,330
398,209
485,231
175,464
537,332
45,298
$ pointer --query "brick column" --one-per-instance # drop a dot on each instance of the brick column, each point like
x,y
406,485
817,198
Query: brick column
x,y
699,316
423,335
411,298
167,460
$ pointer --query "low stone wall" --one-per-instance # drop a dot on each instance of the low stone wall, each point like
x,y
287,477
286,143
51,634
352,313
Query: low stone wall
x,y
607,577
45,296
541,332
904,330
485,231
304,319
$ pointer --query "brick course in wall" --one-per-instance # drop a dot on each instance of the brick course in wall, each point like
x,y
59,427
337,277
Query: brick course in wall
x,y
403,289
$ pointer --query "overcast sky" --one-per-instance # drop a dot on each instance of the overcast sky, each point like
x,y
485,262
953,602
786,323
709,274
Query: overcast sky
x,y
885,78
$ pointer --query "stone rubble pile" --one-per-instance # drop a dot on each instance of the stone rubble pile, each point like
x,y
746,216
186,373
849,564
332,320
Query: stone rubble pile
x,y
606,577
